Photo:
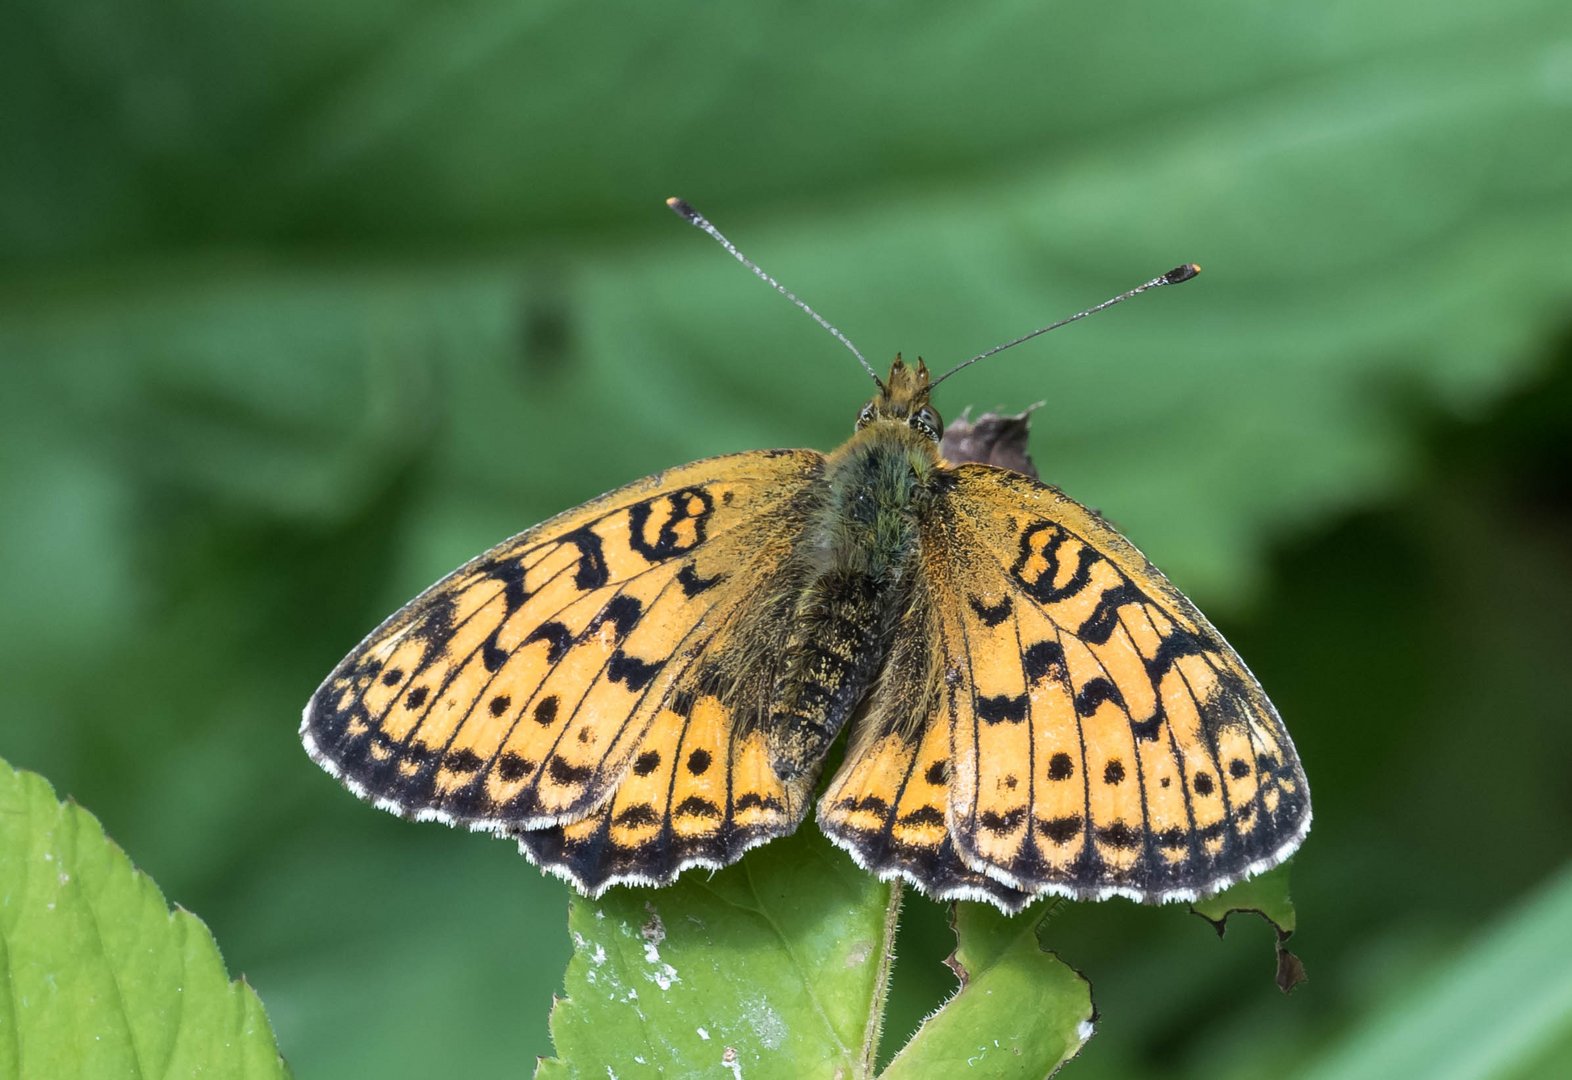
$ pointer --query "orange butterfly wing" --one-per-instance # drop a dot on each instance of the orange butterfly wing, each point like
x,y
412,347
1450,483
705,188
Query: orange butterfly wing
x,y
565,686
1099,736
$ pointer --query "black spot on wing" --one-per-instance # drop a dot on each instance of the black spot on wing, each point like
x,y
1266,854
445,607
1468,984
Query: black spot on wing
x,y
1061,830
622,612
631,671
463,761
511,767
751,799
868,803
690,506
563,773
1002,708
692,584
1094,693
1060,767
1099,625
1119,835
591,572
1043,541
646,762
556,636
695,806
492,654
509,571
992,614
1043,659
637,814
1176,645
1147,730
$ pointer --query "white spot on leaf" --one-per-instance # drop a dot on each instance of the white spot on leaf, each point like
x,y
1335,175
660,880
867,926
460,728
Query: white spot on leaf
x,y
765,1022
663,977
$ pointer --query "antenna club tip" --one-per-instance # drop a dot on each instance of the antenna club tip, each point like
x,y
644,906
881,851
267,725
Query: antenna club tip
x,y
681,208
1181,273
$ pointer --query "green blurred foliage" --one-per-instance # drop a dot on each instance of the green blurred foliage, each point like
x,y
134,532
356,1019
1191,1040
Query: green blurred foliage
x,y
303,304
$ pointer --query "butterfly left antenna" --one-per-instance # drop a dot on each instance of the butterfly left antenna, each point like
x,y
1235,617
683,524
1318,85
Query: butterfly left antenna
x,y
699,221
1173,277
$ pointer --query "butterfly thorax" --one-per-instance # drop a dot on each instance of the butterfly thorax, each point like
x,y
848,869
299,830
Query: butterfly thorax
x,y
856,559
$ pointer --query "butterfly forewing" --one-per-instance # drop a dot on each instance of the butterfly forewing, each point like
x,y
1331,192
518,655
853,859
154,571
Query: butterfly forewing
x,y
519,691
1105,739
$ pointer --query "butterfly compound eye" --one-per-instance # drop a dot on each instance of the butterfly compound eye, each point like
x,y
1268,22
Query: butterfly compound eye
x,y
927,421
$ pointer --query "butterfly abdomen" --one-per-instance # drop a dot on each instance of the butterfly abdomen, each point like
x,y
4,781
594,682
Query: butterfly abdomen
x,y
859,552
840,635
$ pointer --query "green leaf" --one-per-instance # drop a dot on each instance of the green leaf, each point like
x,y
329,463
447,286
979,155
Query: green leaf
x,y
1020,1011
97,976
1265,895
1502,1008
774,967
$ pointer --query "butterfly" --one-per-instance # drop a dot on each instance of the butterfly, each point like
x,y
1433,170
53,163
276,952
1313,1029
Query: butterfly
x,y
655,680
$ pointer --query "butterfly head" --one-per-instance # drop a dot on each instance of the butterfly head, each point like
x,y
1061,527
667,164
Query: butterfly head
x,y
903,399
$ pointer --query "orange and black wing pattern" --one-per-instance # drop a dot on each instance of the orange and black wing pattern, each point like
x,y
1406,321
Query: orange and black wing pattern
x,y
1089,735
566,686
888,805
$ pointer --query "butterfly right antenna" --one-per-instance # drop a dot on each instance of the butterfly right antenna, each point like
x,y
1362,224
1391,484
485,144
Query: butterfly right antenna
x,y
699,221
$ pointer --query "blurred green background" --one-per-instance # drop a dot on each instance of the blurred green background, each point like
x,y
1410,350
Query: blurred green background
x,y
303,304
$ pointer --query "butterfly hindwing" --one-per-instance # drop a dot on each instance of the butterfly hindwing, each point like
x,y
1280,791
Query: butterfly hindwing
x,y
888,803
1105,738
519,692
700,793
